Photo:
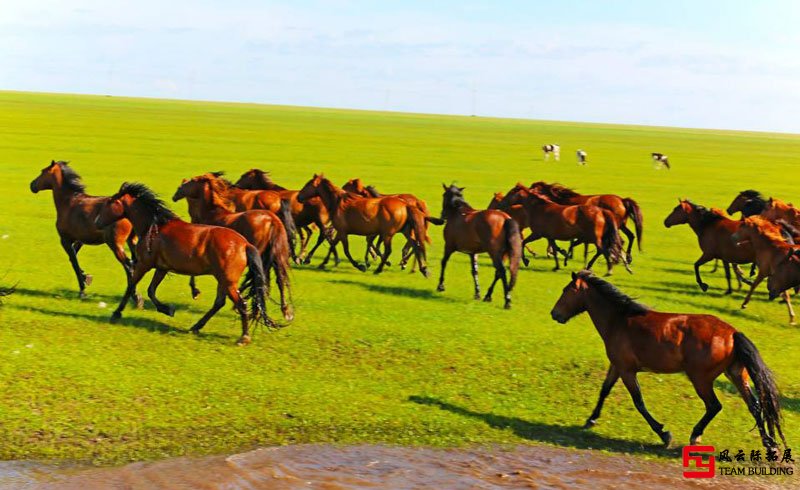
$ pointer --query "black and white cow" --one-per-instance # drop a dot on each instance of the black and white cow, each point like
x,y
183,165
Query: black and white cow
x,y
661,159
581,157
554,149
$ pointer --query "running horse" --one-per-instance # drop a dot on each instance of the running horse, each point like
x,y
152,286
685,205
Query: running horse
x,y
169,244
474,231
382,217
639,339
75,221
714,234
263,229
305,215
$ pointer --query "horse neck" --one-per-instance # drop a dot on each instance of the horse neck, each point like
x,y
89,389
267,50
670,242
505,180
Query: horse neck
x,y
63,195
331,195
196,209
696,222
142,221
604,316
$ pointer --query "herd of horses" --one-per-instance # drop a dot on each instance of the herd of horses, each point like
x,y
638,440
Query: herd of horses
x,y
244,232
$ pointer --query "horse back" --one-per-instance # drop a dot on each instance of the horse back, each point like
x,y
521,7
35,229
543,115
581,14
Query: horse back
x,y
476,231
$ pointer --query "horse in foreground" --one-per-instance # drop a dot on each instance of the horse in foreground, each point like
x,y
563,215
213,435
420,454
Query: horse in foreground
x,y
638,339
262,228
169,244
472,232
75,221
383,217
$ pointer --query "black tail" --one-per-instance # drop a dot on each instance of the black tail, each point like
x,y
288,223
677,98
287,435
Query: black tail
x,y
635,212
254,287
285,214
768,404
513,249
435,221
610,241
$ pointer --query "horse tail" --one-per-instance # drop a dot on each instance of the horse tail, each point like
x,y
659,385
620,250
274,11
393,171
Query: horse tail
x,y
285,215
419,227
423,207
435,221
768,405
255,287
610,240
633,210
513,249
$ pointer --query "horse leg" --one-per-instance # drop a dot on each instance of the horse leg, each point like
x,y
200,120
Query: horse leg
x,y
499,274
132,246
341,237
705,390
83,278
320,240
739,377
117,246
371,250
740,276
611,378
387,250
474,261
193,288
715,267
630,236
448,251
702,260
552,244
727,267
585,254
159,276
286,309
219,302
756,282
789,306
632,384
139,270
597,256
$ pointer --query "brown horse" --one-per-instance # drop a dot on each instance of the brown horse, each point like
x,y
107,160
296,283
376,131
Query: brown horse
x,y
262,228
621,208
518,214
714,232
638,339
471,231
785,275
770,250
171,244
75,215
305,215
582,223
778,210
356,215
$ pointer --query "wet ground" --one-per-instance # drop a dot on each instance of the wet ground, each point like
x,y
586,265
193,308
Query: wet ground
x,y
361,467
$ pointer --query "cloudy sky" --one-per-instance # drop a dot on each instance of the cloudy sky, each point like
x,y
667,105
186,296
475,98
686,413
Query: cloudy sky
x,y
717,64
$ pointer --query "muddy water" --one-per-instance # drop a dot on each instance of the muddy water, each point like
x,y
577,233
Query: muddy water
x,y
364,467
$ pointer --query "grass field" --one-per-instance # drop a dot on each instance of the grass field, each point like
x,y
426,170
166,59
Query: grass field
x,y
368,358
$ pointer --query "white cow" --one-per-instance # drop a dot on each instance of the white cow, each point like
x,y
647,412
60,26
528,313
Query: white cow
x,y
554,149
581,157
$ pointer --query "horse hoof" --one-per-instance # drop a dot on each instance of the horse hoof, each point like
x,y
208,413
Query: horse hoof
x,y
666,438
288,314
507,306
695,440
440,288
744,306
425,273
321,267
629,258
730,291
167,310
139,301
306,261
115,317
195,330
243,340
82,295
487,299
195,293
704,287
87,279
589,424
477,296
361,268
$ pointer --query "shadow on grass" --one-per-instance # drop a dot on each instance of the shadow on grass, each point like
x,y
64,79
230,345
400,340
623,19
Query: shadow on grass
x,y
142,323
111,299
566,436
422,293
703,306
787,403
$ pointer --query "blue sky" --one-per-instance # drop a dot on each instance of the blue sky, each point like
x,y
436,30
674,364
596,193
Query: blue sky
x,y
715,64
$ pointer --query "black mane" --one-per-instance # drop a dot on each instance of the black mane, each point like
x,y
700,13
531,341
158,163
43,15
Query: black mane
x,y
755,203
148,200
373,191
454,200
627,305
72,181
707,216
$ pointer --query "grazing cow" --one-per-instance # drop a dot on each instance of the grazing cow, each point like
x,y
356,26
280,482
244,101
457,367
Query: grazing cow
x,y
660,159
581,157
554,149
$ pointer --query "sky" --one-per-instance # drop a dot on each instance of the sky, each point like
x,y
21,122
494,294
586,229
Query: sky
x,y
712,64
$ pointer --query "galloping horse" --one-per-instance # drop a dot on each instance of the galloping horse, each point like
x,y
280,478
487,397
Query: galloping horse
x,y
778,210
752,203
170,244
770,250
749,203
785,274
714,232
311,212
356,215
262,228
472,232
621,207
518,214
75,215
638,339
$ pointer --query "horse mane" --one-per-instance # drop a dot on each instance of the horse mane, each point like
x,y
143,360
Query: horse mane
x,y
264,175
707,216
755,203
219,191
71,180
148,199
219,175
457,200
627,305
373,191
769,230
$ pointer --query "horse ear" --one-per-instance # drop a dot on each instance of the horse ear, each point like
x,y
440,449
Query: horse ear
x,y
574,276
461,189
183,181
444,186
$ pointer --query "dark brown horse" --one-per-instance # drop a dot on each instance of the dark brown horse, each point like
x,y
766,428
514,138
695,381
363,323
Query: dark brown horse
x,y
639,339
382,217
518,214
75,221
262,228
169,244
714,234
770,250
305,214
621,208
472,231
786,274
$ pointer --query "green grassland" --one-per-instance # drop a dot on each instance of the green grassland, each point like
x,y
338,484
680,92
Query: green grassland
x,y
369,358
